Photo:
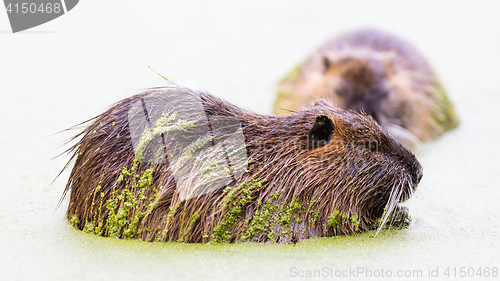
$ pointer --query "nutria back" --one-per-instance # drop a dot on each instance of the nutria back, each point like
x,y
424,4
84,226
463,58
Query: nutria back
x,y
377,73
175,164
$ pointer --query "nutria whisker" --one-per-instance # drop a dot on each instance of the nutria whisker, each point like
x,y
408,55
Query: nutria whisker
x,y
391,204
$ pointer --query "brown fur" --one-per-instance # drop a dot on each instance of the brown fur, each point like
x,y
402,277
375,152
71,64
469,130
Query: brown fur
x,y
357,170
377,73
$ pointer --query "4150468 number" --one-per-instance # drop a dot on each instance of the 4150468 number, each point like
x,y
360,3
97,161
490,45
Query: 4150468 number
x,y
471,272
34,8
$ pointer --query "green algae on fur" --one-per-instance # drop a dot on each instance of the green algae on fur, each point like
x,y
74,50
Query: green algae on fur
x,y
285,95
271,219
294,74
195,146
335,219
74,220
185,234
399,218
444,114
163,126
355,222
147,178
275,220
123,209
233,201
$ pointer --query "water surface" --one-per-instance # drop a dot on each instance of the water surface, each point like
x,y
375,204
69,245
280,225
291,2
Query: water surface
x,y
52,81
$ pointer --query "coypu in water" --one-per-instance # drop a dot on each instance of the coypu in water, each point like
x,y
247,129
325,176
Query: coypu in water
x,y
173,164
378,73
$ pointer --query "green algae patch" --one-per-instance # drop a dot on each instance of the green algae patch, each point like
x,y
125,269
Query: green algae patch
x,y
313,217
355,221
284,95
335,219
270,219
183,235
163,126
233,201
444,115
294,74
170,216
399,218
74,220
121,214
276,221
261,221
147,178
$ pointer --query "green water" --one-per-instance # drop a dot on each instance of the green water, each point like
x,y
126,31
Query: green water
x,y
52,81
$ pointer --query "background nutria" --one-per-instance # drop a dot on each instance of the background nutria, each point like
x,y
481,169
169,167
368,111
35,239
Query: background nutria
x,y
140,171
378,73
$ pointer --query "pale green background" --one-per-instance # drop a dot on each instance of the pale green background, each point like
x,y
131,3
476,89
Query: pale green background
x,y
68,70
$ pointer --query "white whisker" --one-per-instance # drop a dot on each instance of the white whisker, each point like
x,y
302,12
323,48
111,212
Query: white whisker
x,y
391,204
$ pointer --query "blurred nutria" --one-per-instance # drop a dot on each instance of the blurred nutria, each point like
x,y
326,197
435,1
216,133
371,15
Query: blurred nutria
x,y
378,73
172,164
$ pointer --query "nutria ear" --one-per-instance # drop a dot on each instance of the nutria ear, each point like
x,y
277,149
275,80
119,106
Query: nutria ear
x,y
321,132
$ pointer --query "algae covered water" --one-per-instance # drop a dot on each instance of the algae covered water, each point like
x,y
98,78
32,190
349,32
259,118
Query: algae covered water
x,y
67,71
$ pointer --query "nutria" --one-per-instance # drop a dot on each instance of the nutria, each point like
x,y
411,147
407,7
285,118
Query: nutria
x,y
173,164
371,71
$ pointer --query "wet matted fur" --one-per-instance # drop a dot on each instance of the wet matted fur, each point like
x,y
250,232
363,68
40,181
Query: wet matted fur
x,y
319,171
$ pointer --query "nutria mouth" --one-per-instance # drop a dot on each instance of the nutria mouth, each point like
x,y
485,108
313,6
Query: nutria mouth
x,y
391,213
173,164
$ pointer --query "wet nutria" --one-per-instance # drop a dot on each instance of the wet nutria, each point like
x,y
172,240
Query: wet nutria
x,y
172,164
378,73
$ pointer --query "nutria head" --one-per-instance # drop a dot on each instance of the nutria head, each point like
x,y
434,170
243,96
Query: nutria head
x,y
346,160
376,73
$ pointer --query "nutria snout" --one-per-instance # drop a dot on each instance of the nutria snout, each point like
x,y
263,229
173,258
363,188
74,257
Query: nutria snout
x,y
376,73
173,164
